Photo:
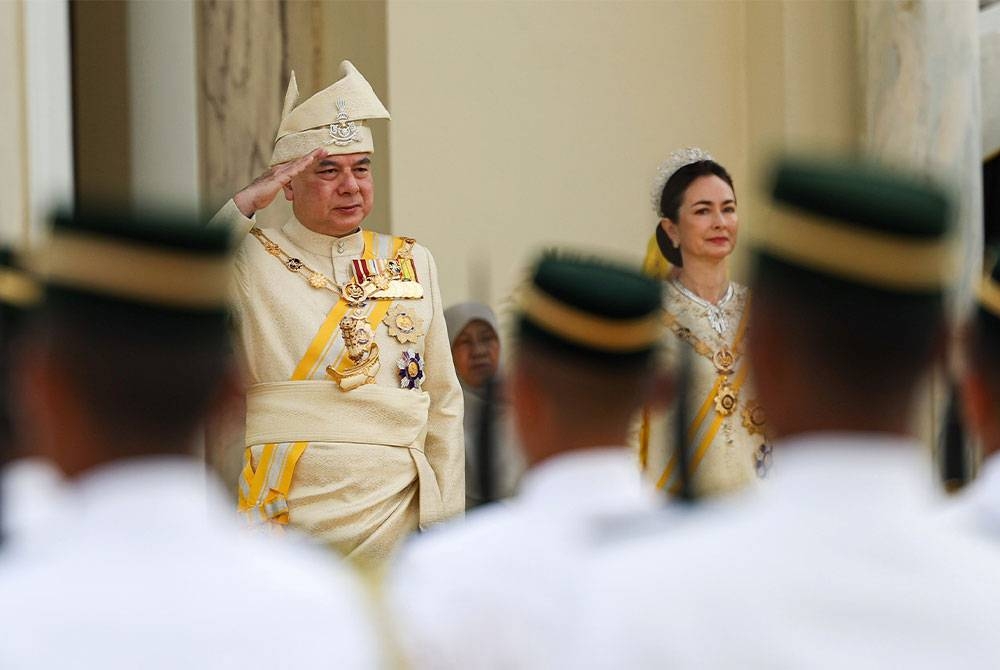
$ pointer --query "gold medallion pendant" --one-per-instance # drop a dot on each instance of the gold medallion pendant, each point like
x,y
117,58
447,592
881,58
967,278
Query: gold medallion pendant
x,y
724,361
403,325
362,349
726,399
753,418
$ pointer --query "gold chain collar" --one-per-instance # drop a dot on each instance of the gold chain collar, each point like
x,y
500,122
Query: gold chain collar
x,y
356,294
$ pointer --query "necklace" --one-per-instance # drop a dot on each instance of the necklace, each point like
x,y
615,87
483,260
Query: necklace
x,y
715,313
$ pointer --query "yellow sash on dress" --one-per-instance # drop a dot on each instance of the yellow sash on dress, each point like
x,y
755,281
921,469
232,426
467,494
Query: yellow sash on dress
x,y
698,431
263,491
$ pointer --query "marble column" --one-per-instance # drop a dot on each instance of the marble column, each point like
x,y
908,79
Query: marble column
x,y
921,103
14,142
919,67
989,64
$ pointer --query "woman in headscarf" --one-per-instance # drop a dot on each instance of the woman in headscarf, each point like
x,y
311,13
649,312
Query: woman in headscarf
x,y
493,461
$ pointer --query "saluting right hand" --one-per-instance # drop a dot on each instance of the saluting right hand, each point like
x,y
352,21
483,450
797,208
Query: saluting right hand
x,y
262,191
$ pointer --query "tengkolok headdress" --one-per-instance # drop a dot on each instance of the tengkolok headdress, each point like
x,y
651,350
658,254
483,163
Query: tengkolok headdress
x,y
333,119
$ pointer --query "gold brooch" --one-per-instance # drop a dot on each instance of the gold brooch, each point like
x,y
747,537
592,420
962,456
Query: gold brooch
x,y
403,325
754,418
725,400
724,360
354,293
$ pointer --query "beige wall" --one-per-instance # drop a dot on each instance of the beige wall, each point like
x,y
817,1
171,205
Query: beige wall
x,y
522,125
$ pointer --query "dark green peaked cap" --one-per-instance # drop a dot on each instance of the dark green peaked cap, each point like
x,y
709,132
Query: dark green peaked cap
x,y
860,223
156,259
592,307
864,194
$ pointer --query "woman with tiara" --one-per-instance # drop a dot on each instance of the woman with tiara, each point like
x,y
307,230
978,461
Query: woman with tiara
x,y
705,314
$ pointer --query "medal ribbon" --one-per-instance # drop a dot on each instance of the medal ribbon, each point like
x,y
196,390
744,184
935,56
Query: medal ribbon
x,y
696,425
265,488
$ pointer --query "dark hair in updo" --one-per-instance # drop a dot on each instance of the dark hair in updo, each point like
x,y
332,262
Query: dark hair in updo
x,y
673,196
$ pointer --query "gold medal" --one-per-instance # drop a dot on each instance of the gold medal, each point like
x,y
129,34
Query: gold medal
x,y
754,418
725,400
724,360
354,293
403,325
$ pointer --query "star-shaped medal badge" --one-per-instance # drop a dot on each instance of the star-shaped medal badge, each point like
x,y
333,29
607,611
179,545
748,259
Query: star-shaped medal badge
x,y
404,325
411,370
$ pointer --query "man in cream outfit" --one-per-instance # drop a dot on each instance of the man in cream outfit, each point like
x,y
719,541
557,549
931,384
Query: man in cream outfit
x,y
493,591
144,565
354,411
840,563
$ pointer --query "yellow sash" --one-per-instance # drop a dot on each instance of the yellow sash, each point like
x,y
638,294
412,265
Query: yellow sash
x,y
699,422
263,491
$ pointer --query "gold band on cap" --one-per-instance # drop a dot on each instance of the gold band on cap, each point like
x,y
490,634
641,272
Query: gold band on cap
x,y
586,329
989,296
137,272
17,289
866,256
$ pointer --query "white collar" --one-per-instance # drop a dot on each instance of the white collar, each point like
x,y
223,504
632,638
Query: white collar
x,y
603,478
862,471
147,491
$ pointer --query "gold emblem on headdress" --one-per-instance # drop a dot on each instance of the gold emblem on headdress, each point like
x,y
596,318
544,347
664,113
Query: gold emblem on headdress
x,y
342,130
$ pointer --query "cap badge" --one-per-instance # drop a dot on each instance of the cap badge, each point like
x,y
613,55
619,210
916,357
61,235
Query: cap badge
x,y
342,130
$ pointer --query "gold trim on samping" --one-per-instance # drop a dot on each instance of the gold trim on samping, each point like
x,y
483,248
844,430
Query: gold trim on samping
x,y
588,330
17,289
136,271
989,296
871,257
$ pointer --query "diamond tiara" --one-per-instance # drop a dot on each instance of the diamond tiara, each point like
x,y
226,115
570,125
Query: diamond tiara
x,y
675,161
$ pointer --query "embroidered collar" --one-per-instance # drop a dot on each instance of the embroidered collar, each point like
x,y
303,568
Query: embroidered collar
x,y
324,245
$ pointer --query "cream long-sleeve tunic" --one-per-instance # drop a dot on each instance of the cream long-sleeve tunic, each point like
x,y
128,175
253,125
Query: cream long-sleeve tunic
x,y
381,460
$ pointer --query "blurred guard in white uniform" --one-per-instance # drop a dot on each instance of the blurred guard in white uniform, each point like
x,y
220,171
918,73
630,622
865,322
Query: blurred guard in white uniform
x,y
492,592
978,507
120,365
840,564
29,486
